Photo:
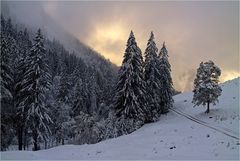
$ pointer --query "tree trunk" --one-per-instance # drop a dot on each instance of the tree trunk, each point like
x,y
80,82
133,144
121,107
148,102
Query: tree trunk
x,y
62,141
208,104
25,139
35,148
35,142
27,145
20,138
45,143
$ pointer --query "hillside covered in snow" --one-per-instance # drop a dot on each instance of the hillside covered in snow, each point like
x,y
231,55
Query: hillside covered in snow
x,y
184,133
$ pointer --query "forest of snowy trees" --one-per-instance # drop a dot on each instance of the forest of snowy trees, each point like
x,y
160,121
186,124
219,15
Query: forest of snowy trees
x,y
45,89
52,97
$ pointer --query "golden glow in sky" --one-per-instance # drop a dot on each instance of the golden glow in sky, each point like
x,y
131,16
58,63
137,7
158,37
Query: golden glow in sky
x,y
106,39
110,33
194,32
229,75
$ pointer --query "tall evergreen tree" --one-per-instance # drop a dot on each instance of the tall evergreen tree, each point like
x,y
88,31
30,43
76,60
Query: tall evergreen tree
x,y
80,99
19,67
36,82
166,84
6,81
6,71
152,76
93,90
206,89
64,88
130,91
8,47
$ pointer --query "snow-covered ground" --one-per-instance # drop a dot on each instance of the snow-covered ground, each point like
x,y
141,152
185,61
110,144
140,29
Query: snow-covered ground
x,y
224,115
172,137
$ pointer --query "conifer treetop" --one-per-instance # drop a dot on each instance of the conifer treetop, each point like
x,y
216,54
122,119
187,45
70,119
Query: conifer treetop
x,y
163,51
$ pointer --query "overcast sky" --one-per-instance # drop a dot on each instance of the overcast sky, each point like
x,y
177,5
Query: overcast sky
x,y
193,31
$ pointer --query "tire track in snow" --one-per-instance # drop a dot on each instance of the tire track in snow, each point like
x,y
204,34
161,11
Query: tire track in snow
x,y
224,131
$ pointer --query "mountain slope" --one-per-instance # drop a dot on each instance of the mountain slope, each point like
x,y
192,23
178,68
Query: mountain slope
x,y
172,137
19,13
224,115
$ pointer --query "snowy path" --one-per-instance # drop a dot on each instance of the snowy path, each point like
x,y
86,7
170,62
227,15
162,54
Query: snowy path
x,y
222,130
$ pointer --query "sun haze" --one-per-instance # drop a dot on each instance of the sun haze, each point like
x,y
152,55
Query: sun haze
x,y
193,31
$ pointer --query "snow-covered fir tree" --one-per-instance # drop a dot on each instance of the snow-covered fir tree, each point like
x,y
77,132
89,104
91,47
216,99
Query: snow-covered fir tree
x,y
64,88
6,82
80,98
61,108
166,84
6,71
60,118
36,82
111,130
206,89
19,67
19,49
130,91
93,91
152,76
86,129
